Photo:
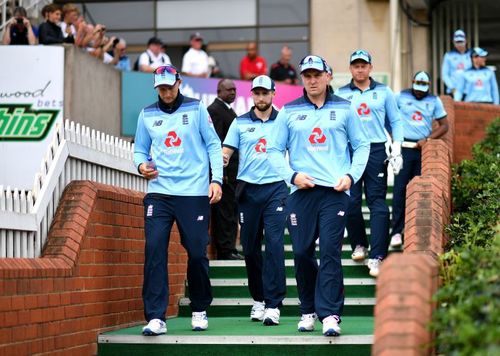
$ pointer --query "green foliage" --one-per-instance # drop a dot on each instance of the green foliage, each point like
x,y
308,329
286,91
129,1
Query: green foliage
x,y
467,318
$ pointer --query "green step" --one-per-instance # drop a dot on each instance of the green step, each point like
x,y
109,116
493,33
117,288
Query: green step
x,y
240,336
238,288
242,306
236,269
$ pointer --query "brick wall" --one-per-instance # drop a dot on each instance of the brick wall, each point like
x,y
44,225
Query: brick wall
x,y
89,278
470,123
407,281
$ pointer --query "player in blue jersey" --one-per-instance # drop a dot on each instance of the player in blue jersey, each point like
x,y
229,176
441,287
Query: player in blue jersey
x,y
315,130
479,83
419,108
177,133
375,106
261,203
455,62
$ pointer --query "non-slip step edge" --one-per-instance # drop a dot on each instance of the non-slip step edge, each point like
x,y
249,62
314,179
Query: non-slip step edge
x,y
242,282
286,301
236,340
288,263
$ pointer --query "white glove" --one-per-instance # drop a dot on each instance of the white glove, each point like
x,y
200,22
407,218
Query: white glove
x,y
395,158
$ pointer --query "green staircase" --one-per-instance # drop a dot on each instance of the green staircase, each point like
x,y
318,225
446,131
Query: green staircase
x,y
231,332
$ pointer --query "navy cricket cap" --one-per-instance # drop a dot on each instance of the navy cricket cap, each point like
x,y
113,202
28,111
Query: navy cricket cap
x,y
313,62
421,81
361,54
155,40
264,82
459,36
166,75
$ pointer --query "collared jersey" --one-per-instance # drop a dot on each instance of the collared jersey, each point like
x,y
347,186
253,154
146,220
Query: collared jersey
x,y
181,143
249,135
417,115
454,63
478,85
375,108
316,140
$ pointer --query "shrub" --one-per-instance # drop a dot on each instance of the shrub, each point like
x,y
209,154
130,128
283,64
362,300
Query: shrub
x,y
468,303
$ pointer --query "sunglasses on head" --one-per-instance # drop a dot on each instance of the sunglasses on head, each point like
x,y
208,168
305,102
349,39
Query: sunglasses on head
x,y
166,69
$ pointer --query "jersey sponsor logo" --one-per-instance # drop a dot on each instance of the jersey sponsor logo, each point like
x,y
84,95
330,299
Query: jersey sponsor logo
x,y
317,136
333,115
479,83
417,116
460,66
157,123
185,120
260,147
173,140
363,109
21,123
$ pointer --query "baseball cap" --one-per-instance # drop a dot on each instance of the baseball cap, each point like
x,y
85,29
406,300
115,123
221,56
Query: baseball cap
x,y
329,69
478,51
361,54
421,81
459,36
195,35
165,75
263,81
155,40
313,62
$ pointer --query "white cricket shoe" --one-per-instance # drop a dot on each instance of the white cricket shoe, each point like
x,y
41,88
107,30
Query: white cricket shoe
x,y
331,326
257,312
271,316
359,254
396,241
306,322
374,266
155,327
199,321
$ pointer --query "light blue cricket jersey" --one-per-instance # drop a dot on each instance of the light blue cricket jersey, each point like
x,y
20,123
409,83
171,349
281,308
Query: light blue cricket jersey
x,y
454,63
182,141
376,107
249,135
478,85
418,114
317,141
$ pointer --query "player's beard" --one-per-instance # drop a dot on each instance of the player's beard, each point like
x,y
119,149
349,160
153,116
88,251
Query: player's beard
x,y
263,107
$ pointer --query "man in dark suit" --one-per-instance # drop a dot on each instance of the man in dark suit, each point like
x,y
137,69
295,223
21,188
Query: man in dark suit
x,y
225,213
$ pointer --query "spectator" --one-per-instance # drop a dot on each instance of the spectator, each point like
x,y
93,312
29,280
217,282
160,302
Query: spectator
x,y
49,31
117,57
478,84
225,212
419,108
195,60
375,107
18,30
283,71
153,57
455,62
252,65
70,14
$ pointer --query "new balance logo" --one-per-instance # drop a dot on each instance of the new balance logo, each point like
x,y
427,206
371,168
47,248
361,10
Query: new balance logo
x,y
341,213
279,208
157,123
301,117
200,218
251,129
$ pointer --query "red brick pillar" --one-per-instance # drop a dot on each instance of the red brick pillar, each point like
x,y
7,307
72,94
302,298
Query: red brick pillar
x,y
404,305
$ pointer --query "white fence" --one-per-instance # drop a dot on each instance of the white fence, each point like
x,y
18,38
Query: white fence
x,y
76,153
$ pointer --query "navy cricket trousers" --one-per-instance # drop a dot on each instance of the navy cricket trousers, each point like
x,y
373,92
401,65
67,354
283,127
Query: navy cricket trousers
x,y
412,166
319,211
374,180
192,215
263,214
